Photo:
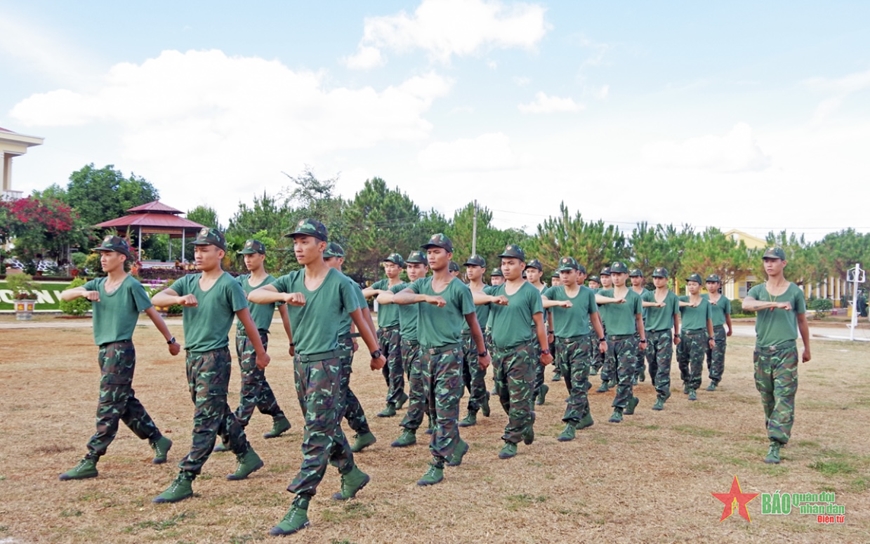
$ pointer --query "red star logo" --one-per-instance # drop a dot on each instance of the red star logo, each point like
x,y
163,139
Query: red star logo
x,y
735,496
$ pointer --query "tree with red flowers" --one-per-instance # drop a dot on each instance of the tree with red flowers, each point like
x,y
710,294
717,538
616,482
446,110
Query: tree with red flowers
x,y
40,225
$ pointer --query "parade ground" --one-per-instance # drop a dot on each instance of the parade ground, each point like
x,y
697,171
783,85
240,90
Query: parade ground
x,y
648,479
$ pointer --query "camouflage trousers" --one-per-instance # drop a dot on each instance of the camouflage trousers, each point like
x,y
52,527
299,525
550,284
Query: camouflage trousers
x,y
118,402
776,378
442,387
573,358
690,356
608,364
318,388
472,374
390,344
716,354
538,382
624,353
418,404
659,353
256,392
514,382
640,359
208,377
351,408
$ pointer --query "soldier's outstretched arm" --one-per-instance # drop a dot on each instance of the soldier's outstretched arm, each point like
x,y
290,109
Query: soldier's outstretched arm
x,y
407,296
166,297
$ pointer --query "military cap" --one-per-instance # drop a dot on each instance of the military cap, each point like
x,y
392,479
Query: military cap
x,y
497,272
660,272
596,279
713,278
555,274
513,252
618,267
475,260
635,272
605,271
453,267
253,246
395,258
333,250
114,243
774,253
310,227
439,240
210,237
417,257
694,277
535,263
568,263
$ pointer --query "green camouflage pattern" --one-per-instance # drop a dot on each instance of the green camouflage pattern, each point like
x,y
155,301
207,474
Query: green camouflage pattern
x,y
351,408
256,392
412,355
118,402
776,378
472,374
659,353
624,354
390,344
318,388
716,354
690,356
514,383
538,382
608,363
442,387
640,359
574,356
208,378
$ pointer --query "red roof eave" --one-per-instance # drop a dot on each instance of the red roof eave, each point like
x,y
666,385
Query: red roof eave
x,y
159,220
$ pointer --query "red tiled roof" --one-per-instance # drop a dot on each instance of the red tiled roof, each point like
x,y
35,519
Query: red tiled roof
x,y
153,220
154,207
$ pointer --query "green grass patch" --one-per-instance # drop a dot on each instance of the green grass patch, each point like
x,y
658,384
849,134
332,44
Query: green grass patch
x,y
67,513
160,525
808,444
859,485
773,470
244,539
691,430
523,500
833,467
351,510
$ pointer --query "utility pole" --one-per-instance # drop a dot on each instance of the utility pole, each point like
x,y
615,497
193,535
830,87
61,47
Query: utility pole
x,y
474,230
855,276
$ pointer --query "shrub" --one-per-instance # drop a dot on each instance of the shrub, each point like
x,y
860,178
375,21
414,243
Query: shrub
x,y
77,306
21,286
736,306
175,309
822,307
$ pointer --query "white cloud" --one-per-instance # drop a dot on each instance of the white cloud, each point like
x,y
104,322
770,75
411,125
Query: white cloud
x,y
447,28
736,151
521,81
185,119
486,152
550,104
841,89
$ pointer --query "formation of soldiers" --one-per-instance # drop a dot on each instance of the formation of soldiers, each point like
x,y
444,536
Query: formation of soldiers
x,y
435,334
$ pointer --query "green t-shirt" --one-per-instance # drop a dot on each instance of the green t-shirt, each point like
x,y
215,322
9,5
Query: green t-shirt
x,y
388,314
408,315
262,314
643,293
345,322
116,314
510,324
694,319
545,311
482,311
658,319
206,325
720,309
774,327
316,325
573,321
436,326
621,318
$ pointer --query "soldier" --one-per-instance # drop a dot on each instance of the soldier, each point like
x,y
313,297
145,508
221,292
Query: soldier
x,y
211,299
454,269
604,361
318,296
496,278
516,304
781,313
697,336
636,279
389,339
116,301
721,310
625,335
534,271
594,283
256,392
555,281
472,374
444,303
662,333
575,317
353,410
412,354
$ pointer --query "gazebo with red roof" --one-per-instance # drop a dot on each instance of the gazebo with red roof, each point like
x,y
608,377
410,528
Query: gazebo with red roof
x,y
154,218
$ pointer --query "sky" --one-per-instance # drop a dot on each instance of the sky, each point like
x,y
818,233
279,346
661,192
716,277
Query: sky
x,y
743,114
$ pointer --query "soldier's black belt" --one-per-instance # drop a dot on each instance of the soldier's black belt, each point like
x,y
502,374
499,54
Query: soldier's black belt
x,y
355,335
115,342
790,344
573,338
616,337
718,327
322,356
443,349
661,330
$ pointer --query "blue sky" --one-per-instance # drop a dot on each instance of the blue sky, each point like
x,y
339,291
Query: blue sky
x,y
740,115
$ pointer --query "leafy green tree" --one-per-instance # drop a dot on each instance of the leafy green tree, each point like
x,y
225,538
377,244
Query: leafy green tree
x,y
490,240
102,194
711,252
205,215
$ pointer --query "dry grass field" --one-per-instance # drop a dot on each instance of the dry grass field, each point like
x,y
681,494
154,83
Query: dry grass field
x,y
648,479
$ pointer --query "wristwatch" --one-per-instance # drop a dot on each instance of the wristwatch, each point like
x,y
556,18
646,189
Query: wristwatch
x,y
545,352
171,341
376,354
602,339
482,353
